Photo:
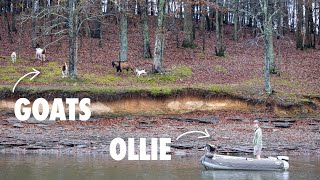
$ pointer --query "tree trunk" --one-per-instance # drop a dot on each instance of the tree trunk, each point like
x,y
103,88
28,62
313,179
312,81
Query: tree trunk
x,y
280,20
292,29
33,24
309,25
123,32
51,19
8,26
268,45
13,19
87,26
145,31
285,17
268,57
72,65
77,29
226,15
188,26
235,21
159,43
300,20
192,23
219,32
318,21
100,23
203,28
151,8
19,38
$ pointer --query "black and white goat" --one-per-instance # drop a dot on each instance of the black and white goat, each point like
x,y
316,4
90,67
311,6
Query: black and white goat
x,y
64,70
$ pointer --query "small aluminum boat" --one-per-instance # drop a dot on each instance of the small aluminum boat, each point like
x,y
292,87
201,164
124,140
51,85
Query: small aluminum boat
x,y
212,161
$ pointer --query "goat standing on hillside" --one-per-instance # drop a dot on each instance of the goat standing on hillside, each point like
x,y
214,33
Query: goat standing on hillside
x,y
122,65
140,72
41,54
13,57
64,70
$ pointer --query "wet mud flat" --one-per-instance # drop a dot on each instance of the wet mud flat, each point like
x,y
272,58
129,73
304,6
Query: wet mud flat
x,y
231,131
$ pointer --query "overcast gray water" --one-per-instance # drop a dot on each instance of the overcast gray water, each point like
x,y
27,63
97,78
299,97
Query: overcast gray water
x,y
95,167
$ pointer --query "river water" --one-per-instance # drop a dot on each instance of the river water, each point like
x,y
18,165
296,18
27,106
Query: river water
x,y
96,167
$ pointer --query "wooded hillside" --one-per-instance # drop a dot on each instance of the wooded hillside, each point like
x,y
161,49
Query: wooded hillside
x,y
216,41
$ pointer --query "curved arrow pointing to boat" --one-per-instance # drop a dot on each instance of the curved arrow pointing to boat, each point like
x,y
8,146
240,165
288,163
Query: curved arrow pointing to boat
x,y
206,134
35,72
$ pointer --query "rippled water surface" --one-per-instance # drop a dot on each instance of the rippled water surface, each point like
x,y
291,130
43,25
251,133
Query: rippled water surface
x,y
42,167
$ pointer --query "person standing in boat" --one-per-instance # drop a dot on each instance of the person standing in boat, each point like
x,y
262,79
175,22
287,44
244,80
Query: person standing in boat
x,y
257,139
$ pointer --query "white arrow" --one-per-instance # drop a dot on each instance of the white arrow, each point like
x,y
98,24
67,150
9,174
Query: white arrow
x,y
35,72
206,134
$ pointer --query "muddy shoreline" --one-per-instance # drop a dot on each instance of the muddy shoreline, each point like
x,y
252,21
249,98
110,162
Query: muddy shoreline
x,y
231,131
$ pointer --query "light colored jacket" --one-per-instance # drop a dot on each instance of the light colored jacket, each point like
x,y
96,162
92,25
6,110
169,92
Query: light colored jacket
x,y
257,139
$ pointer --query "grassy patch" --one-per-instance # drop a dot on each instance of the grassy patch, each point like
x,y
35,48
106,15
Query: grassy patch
x,y
159,91
283,82
107,79
304,100
174,75
79,81
167,78
182,72
21,60
317,96
8,69
151,80
155,79
49,73
219,68
11,73
220,89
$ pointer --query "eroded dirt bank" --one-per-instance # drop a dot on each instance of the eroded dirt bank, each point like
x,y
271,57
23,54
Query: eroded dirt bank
x,y
111,102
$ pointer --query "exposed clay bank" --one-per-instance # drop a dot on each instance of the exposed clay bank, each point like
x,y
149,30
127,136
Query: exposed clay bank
x,y
172,105
162,101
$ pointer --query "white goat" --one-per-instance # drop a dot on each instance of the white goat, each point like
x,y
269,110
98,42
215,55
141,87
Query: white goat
x,y
41,54
13,57
140,72
64,70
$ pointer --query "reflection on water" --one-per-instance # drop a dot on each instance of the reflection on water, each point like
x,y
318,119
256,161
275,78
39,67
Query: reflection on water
x,y
245,175
34,167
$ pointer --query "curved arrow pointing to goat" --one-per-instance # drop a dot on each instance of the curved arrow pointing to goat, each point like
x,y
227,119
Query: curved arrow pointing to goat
x,y
35,72
206,134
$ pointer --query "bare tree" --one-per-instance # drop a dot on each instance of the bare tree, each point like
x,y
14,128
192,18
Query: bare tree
x,y
159,43
123,31
219,49
188,25
267,32
300,22
145,31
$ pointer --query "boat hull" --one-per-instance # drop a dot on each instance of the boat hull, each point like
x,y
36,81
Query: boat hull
x,y
241,163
